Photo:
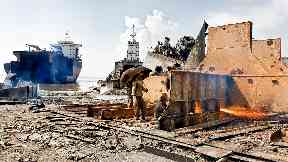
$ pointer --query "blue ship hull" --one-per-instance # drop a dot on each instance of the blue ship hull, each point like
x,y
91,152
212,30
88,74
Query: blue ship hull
x,y
43,67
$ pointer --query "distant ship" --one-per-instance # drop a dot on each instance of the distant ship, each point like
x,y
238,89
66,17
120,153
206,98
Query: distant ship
x,y
61,64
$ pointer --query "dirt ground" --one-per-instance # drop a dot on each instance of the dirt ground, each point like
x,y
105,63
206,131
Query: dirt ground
x,y
55,134
49,136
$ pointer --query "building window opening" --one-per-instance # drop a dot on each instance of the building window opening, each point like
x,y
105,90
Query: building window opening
x,y
250,81
211,68
275,82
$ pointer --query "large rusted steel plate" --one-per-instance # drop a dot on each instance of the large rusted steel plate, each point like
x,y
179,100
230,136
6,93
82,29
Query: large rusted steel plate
x,y
208,89
186,85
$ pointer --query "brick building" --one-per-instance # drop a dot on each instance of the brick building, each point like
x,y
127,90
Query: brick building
x,y
255,65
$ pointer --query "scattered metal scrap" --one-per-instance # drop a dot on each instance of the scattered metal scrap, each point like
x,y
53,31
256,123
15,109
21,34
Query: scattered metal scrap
x,y
105,111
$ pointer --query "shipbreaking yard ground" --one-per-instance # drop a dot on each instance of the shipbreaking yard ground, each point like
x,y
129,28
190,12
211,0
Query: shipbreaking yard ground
x,y
59,134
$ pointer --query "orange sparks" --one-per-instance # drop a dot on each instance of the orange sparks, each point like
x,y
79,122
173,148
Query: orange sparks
x,y
244,113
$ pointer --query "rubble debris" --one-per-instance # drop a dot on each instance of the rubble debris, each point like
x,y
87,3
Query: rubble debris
x,y
36,104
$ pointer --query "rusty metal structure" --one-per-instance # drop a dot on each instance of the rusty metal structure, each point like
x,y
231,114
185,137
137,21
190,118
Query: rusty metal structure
x,y
196,97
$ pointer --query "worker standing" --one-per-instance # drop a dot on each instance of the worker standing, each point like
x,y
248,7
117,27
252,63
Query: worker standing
x,y
139,104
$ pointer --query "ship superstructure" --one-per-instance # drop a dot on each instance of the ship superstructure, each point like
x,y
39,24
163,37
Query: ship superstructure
x,y
133,48
61,64
132,59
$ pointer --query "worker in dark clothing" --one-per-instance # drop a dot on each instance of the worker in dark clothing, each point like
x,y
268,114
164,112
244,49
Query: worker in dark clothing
x,y
139,104
160,111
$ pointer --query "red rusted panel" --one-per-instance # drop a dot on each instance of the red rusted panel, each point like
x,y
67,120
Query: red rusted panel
x,y
188,87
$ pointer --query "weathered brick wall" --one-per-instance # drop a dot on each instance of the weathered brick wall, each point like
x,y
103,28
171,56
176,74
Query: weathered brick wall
x,y
269,49
235,36
259,91
156,85
268,53
231,48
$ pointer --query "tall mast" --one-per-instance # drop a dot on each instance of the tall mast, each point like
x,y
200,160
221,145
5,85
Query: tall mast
x,y
133,34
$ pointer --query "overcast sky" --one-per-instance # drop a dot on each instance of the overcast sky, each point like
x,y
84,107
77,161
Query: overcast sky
x,y
103,26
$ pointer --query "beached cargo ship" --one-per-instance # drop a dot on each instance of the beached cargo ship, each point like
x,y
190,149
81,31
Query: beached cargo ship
x,y
60,64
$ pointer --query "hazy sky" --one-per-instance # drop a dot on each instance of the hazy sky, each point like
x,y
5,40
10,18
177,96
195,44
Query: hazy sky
x,y
103,26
